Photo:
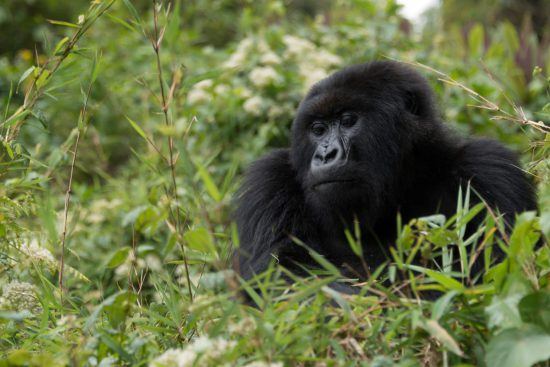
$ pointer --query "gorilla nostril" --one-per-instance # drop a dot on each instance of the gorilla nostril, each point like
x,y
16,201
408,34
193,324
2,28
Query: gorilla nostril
x,y
318,158
331,156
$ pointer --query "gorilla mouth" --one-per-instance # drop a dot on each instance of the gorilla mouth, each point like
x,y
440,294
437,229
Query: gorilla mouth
x,y
331,182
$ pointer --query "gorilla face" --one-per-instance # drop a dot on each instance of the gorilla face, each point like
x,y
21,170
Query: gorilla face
x,y
352,132
344,149
332,139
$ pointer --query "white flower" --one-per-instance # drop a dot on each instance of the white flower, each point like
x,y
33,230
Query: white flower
x,y
326,59
197,96
153,262
199,93
221,89
296,46
270,58
204,84
244,326
311,75
253,106
264,364
181,276
129,264
202,352
263,76
66,320
275,111
243,92
202,344
238,57
262,46
36,253
20,296
220,347
175,358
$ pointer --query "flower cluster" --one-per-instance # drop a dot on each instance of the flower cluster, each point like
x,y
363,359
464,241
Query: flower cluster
x,y
97,211
202,352
138,264
264,364
268,68
241,53
264,76
260,86
254,105
37,254
20,296
200,92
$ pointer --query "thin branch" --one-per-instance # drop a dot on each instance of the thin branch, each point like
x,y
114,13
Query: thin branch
x,y
81,130
156,41
486,104
35,91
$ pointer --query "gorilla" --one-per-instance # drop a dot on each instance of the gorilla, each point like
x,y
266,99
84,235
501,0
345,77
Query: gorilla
x,y
367,144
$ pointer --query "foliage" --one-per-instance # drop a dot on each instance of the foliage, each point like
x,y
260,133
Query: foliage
x,y
123,142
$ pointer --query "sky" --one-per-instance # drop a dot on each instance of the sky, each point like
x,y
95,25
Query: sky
x,y
413,9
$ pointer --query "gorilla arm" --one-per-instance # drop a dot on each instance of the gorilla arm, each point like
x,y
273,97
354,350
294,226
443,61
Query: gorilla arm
x,y
270,206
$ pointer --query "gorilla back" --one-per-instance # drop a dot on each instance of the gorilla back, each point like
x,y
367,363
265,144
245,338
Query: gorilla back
x,y
367,144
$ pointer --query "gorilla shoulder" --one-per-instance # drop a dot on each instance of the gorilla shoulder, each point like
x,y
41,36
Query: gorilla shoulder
x,y
497,177
269,206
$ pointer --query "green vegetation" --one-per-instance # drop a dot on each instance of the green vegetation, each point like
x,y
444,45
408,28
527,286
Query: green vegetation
x,y
125,132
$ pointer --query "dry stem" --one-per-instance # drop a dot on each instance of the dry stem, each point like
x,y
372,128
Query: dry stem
x,y
80,131
156,41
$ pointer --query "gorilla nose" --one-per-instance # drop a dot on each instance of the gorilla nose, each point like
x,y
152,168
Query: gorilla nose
x,y
325,158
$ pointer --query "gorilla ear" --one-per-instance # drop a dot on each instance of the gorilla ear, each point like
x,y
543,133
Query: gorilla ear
x,y
419,102
411,104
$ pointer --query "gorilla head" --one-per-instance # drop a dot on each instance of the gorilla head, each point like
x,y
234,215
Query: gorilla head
x,y
352,131
367,145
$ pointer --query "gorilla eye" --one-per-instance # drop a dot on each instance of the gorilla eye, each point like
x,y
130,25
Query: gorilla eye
x,y
348,120
318,129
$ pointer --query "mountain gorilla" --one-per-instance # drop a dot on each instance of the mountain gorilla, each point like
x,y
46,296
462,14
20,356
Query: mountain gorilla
x,y
367,144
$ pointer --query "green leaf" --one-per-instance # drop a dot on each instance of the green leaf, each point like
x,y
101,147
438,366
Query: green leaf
x,y
7,146
119,257
535,308
15,315
320,259
439,308
122,22
441,335
138,129
25,75
476,40
66,24
199,239
42,78
132,10
503,311
118,310
19,357
115,346
95,67
443,279
523,238
60,45
340,300
510,36
353,243
16,117
208,182
518,347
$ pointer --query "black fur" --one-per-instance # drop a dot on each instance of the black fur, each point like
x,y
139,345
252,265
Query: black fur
x,y
400,159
